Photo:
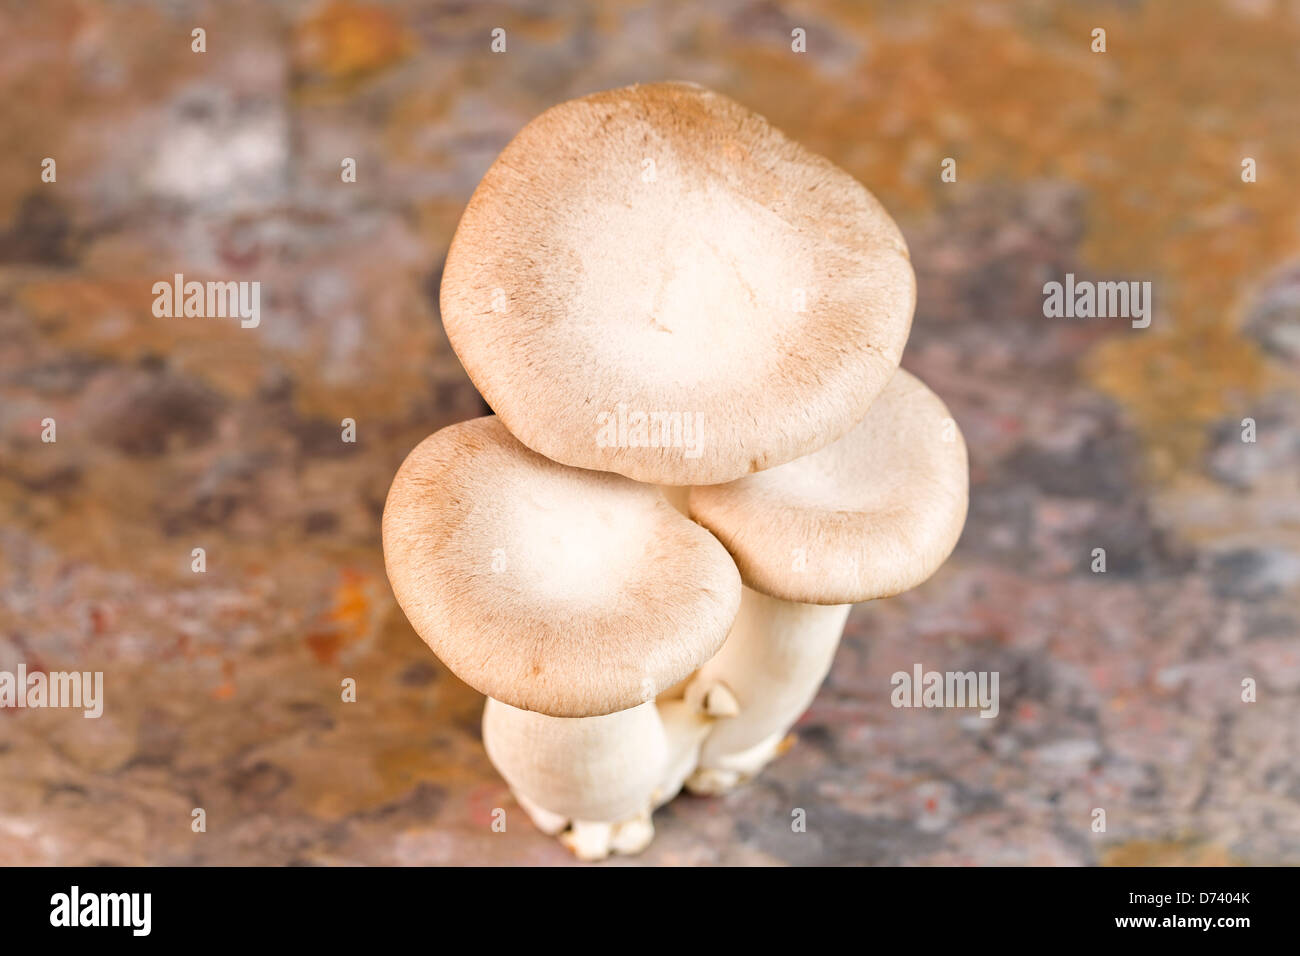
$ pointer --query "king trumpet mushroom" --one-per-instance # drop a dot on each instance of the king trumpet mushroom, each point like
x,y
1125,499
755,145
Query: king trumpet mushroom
x,y
571,599
870,515
676,312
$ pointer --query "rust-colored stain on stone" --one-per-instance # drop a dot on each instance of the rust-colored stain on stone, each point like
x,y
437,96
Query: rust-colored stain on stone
x,y
1168,853
342,40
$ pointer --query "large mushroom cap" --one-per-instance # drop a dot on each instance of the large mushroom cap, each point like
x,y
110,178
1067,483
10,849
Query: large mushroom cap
x,y
573,593
658,260
868,516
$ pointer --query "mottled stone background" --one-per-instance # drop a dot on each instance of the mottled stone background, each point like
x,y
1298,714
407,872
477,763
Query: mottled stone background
x,y
1119,690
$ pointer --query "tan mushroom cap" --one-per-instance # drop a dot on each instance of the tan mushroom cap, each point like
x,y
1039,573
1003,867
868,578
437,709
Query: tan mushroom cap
x,y
573,593
866,517
648,260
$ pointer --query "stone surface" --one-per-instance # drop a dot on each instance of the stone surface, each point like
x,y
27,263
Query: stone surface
x,y
1120,691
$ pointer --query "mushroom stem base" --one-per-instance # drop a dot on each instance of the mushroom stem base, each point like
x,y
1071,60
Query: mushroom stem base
x,y
593,782
773,662
731,770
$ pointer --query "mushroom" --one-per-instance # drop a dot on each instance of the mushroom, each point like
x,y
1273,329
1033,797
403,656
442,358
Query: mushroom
x,y
570,598
656,282
868,516
594,781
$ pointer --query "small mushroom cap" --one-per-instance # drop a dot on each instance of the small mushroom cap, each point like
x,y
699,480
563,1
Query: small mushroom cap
x,y
866,517
573,593
659,261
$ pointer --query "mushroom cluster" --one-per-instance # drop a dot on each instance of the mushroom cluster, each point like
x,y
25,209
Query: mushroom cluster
x,y
703,453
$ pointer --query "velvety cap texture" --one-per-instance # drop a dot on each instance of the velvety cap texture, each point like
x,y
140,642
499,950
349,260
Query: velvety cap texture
x,y
655,281
573,593
868,516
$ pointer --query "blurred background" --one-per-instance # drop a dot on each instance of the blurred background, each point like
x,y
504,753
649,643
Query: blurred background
x,y
1120,690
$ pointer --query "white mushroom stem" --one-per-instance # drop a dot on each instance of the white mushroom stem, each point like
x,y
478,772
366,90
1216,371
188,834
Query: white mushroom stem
x,y
768,671
594,781
679,496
